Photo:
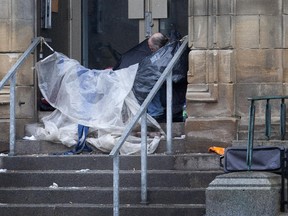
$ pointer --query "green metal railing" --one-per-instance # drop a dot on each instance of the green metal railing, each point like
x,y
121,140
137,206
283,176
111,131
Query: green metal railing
x,y
251,125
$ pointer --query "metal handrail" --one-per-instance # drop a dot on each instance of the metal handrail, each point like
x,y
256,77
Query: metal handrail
x,y
11,76
166,75
251,125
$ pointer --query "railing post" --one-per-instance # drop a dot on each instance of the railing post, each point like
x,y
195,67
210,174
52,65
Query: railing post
x,y
11,76
169,114
268,120
12,114
144,158
116,185
283,119
250,134
143,109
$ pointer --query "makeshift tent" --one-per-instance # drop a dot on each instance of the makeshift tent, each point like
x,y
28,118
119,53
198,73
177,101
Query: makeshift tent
x,y
99,99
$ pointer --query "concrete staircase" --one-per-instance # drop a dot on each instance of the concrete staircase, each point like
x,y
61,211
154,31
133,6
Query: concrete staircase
x,y
37,183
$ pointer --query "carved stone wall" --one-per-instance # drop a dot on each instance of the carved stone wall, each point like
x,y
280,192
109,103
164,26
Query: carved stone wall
x,y
17,29
238,50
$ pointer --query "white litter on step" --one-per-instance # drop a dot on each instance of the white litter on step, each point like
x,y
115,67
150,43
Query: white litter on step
x,y
29,138
54,185
82,170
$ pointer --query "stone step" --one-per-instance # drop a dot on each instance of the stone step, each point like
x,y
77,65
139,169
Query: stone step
x,y
28,147
99,195
178,128
260,135
279,143
104,178
102,210
193,161
82,184
259,132
23,147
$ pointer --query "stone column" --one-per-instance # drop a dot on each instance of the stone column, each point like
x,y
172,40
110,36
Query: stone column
x,y
211,77
243,194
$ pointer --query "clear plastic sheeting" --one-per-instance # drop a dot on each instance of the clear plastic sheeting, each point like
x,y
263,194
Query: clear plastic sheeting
x,y
99,99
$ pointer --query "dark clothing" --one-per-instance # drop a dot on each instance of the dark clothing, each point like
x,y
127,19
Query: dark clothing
x,y
138,54
134,55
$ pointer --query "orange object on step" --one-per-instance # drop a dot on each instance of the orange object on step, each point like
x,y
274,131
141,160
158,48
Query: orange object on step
x,y
217,150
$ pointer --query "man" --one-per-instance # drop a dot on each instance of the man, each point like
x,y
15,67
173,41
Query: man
x,y
142,50
136,55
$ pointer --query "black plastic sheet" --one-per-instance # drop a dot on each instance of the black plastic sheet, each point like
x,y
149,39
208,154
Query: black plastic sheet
x,y
151,68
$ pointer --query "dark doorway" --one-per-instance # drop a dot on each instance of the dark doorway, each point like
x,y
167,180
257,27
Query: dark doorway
x,y
108,33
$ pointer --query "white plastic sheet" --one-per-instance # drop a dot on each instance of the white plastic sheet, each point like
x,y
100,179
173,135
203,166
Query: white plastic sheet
x,y
99,99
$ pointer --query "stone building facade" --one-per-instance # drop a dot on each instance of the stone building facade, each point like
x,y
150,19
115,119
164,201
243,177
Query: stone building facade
x,y
17,29
238,50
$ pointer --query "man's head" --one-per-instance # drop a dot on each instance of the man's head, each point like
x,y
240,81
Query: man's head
x,y
156,41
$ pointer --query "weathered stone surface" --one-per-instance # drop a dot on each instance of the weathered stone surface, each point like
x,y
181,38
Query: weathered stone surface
x,y
7,60
222,106
224,32
285,66
244,193
285,6
5,36
211,66
201,93
211,32
247,32
190,31
16,25
22,34
198,8
25,74
5,6
197,67
23,9
25,102
225,7
270,32
259,65
199,132
245,91
285,31
255,7
226,66
5,131
285,88
210,7
20,126
199,29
